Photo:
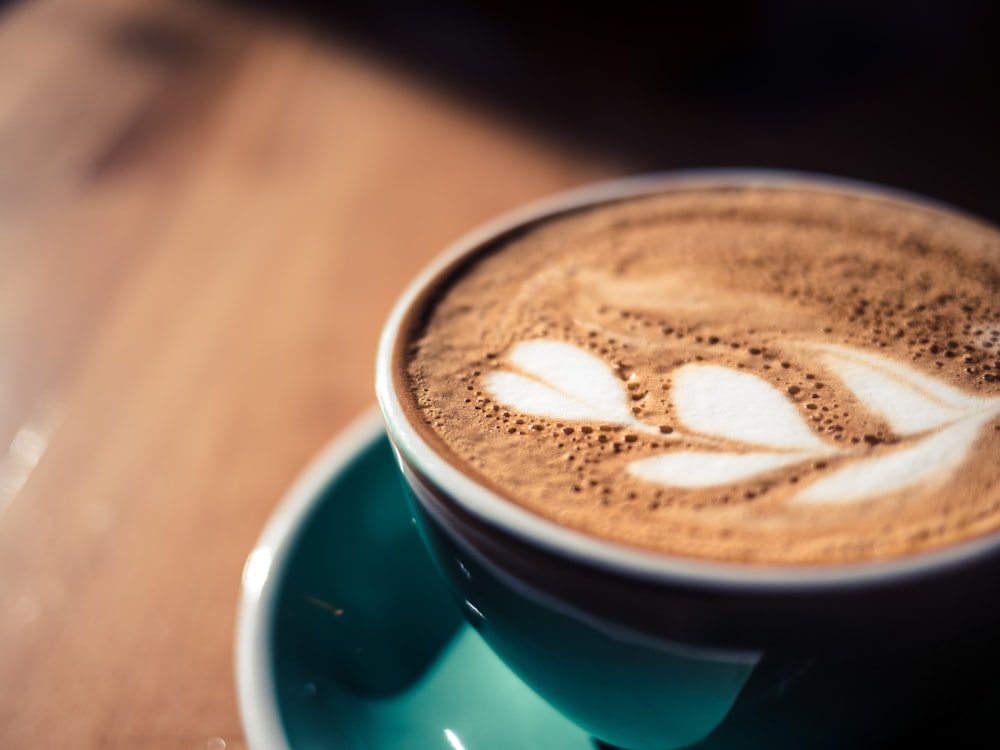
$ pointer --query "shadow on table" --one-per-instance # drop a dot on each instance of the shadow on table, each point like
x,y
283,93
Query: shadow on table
x,y
898,92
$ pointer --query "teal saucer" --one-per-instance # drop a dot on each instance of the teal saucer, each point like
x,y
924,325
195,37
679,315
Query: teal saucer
x,y
348,639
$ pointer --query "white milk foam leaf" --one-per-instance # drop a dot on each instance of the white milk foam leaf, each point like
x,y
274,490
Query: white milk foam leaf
x,y
532,397
566,383
740,407
699,469
908,400
930,460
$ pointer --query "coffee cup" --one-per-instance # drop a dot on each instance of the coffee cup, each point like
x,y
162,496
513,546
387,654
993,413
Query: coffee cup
x,y
708,459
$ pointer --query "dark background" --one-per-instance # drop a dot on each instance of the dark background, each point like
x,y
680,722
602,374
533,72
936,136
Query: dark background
x,y
902,93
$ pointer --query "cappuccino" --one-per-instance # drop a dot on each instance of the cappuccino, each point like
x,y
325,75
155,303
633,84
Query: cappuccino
x,y
767,375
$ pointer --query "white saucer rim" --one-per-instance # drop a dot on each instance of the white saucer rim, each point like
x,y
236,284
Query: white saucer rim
x,y
263,728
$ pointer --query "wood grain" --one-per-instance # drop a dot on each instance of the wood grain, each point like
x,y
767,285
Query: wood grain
x,y
205,215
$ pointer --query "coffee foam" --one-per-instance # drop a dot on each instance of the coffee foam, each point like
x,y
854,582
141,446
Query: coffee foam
x,y
761,375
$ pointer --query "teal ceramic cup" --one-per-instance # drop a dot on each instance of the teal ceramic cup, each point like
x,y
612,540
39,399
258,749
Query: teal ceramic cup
x,y
652,652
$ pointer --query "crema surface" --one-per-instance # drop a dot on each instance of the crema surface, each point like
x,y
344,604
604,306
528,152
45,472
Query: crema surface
x,y
762,375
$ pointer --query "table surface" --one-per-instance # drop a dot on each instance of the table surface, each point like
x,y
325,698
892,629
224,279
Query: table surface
x,y
205,215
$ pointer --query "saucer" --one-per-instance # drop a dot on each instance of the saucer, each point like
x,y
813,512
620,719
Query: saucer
x,y
347,637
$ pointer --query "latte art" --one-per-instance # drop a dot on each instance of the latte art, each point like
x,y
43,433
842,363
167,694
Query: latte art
x,y
768,375
726,406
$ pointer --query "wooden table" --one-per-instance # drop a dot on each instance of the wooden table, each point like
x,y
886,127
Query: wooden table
x,y
204,218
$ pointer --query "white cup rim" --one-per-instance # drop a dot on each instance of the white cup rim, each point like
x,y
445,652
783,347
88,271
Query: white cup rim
x,y
495,511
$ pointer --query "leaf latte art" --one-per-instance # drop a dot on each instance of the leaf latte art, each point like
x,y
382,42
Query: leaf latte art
x,y
766,375
723,406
